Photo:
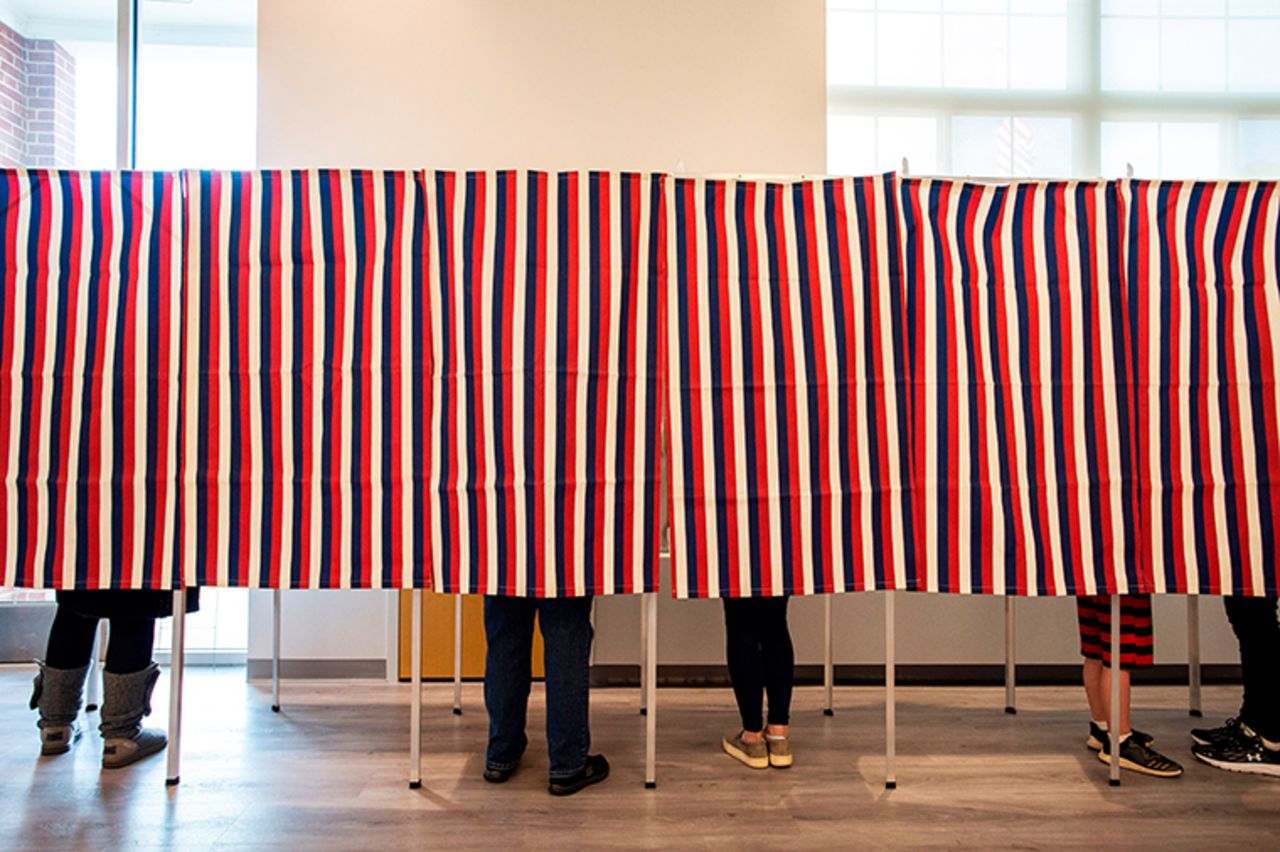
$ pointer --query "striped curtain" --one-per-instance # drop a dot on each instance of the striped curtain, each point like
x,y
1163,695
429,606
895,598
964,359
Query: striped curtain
x,y
90,275
545,311
1205,265
1020,392
786,412
307,363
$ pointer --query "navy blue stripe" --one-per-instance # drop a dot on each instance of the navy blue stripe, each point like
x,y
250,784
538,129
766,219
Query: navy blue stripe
x,y
941,286
901,379
500,377
562,361
719,381
301,261
356,439
392,373
788,502
328,368
593,377
881,550
269,189
1055,290
470,298
1091,298
236,330
444,228
1226,384
1125,370
808,279
204,348
969,333
420,371
620,558
96,202
535,376
1200,476
654,339
688,395
756,508
844,376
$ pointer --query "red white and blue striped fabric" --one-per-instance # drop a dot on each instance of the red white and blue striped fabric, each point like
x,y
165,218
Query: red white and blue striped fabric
x,y
90,277
307,363
1020,387
544,435
786,405
1204,262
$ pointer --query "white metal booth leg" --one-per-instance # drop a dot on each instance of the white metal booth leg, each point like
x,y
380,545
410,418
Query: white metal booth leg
x,y
457,655
415,686
890,696
644,655
1193,654
275,650
1113,723
96,667
650,677
828,665
176,660
1010,659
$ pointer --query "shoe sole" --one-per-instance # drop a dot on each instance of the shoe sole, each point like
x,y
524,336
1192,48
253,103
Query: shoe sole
x,y
1094,744
744,758
780,761
578,788
134,757
1140,769
51,751
1271,770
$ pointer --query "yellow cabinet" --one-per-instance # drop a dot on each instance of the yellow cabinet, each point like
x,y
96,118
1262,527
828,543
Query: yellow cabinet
x,y
437,637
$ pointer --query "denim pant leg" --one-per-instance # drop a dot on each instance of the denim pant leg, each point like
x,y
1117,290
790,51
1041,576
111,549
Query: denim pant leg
x,y
567,635
508,627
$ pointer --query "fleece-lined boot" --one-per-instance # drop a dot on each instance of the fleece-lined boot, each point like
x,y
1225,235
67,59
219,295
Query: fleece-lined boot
x,y
126,700
56,693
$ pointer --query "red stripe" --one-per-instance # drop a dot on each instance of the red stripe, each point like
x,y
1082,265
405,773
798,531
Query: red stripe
x,y
1100,425
240,569
758,280
448,228
8,280
1202,383
729,554
1256,270
635,418
1237,377
852,373
508,378
602,370
1031,345
1071,489
275,428
393,404
951,432
975,336
698,529
886,371
790,382
915,398
538,564
478,286
368,369
163,372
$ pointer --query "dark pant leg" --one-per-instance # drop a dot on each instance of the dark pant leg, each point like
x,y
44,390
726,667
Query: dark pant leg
x,y
508,628
566,636
129,644
1258,632
779,659
743,652
70,639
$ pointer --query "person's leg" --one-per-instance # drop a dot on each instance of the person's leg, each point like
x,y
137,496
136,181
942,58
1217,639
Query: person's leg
x,y
128,679
779,663
745,658
59,685
70,639
1254,621
508,627
567,634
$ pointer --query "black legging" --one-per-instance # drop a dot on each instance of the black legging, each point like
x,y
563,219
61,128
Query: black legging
x,y
1258,631
129,642
761,659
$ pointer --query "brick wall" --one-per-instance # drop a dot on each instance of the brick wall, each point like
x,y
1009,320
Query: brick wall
x,y
37,102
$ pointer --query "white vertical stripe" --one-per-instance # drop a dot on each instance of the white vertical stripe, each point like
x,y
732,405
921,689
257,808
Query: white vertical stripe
x,y
487,487
678,522
319,301
76,387
830,377
287,467
190,444
520,378
774,386
135,479
552,376
109,290
1078,345
1243,385
858,377
177,317
897,441
403,359
379,293
802,380
458,289
255,377
577,504
1212,326
929,415
704,392
612,381
640,377
737,390
438,387
42,366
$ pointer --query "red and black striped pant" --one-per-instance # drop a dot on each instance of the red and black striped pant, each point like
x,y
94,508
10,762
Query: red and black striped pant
x,y
1136,635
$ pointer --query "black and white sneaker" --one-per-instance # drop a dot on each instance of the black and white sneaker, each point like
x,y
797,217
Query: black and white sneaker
x,y
1097,736
1229,732
1243,754
1137,757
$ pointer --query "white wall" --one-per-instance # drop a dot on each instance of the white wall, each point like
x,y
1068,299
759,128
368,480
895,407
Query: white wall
x,y
703,86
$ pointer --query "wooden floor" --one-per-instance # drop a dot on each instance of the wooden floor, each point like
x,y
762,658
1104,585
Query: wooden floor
x,y
330,772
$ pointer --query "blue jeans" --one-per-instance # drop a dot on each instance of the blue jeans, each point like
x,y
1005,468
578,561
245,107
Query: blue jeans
x,y
566,635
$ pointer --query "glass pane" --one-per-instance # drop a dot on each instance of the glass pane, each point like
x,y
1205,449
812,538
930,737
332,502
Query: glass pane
x,y
58,84
1252,62
1193,55
909,50
1130,54
1130,7
851,144
913,138
1135,143
197,85
1173,8
976,51
983,146
1258,149
1038,52
1189,150
851,49
979,146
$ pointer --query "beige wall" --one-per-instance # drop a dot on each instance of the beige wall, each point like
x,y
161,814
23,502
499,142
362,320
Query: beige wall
x,y
691,85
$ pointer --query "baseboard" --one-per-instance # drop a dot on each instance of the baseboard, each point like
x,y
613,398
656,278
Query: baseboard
x,y
320,669
911,675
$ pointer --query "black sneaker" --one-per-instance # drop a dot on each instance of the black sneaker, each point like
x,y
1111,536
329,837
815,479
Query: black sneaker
x,y
1243,754
1229,732
595,771
498,776
1097,736
1137,757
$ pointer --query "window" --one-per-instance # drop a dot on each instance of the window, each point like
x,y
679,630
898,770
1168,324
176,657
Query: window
x,y
1054,88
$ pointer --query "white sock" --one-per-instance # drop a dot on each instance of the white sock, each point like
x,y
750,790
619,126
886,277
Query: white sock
x,y
1268,745
1102,725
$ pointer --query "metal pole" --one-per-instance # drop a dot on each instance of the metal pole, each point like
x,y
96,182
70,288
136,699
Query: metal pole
x,y
828,666
1010,659
1193,653
651,692
1113,724
415,685
96,667
644,655
890,696
275,650
176,659
457,655
126,82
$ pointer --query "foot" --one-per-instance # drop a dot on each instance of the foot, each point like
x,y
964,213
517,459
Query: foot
x,y
1137,757
58,739
1097,736
779,751
595,771
752,753
117,753
1243,754
498,776
1225,733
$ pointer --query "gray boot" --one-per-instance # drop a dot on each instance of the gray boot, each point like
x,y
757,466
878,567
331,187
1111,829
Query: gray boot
x,y
126,699
56,694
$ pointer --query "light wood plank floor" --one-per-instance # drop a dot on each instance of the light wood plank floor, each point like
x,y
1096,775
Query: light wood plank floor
x,y
330,772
